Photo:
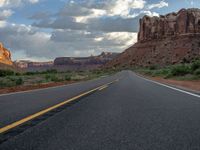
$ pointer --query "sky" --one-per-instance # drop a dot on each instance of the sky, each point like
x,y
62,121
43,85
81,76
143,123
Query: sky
x,y
42,30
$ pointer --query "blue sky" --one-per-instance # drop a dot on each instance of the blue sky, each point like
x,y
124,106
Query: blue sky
x,y
44,29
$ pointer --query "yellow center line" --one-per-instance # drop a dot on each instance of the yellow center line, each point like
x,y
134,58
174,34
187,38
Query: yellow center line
x,y
20,122
102,88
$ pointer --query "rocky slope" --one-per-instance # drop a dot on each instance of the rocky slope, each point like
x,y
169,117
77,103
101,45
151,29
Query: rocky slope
x,y
5,56
164,40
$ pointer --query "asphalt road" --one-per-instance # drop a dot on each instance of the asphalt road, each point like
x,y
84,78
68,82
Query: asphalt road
x,y
131,114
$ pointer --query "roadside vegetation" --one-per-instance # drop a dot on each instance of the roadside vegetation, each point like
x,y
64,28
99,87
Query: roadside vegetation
x,y
10,78
184,71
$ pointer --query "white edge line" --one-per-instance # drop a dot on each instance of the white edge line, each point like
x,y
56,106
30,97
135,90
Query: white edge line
x,y
170,87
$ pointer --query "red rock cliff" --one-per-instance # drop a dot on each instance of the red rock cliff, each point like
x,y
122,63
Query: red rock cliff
x,y
164,40
186,21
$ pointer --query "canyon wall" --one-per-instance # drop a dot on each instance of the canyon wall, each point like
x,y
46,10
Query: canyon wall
x,y
186,21
164,40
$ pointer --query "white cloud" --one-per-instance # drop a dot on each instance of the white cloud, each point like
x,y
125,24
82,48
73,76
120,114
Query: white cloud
x,y
79,29
34,1
32,44
122,7
2,24
5,14
15,3
161,4
149,13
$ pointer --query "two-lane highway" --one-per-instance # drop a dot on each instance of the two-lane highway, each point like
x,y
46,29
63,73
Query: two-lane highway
x,y
132,113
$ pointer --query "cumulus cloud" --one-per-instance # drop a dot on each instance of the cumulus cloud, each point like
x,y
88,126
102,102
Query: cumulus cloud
x,y
60,23
15,3
4,14
161,4
30,43
80,28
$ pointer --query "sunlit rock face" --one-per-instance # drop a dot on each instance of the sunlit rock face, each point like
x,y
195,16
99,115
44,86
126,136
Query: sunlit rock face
x,y
5,55
164,40
186,21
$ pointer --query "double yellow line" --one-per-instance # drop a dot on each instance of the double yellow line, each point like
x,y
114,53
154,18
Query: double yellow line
x,y
22,121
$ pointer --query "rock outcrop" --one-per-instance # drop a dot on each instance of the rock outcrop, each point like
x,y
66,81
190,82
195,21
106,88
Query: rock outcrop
x,y
5,56
173,24
67,63
82,63
164,40
33,66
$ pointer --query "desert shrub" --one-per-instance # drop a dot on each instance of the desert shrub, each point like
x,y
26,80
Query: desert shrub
x,y
67,77
153,67
29,73
6,83
180,70
48,77
197,72
161,72
52,77
51,71
19,81
18,74
4,73
195,65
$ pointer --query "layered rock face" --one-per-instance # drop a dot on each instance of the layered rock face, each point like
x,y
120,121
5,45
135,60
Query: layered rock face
x,y
173,24
5,56
67,63
82,63
33,66
164,40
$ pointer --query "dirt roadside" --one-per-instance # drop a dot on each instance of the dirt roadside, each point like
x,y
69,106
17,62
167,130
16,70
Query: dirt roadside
x,y
33,87
188,85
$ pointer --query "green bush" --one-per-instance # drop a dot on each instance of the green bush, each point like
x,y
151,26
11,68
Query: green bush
x,y
30,73
153,67
180,70
51,71
195,65
197,72
19,81
6,83
48,77
4,73
18,74
52,77
67,77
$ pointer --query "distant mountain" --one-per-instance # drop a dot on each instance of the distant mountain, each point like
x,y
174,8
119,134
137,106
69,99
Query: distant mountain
x,y
164,40
28,65
68,63
82,63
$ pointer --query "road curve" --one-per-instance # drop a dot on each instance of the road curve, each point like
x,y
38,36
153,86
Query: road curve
x,y
132,113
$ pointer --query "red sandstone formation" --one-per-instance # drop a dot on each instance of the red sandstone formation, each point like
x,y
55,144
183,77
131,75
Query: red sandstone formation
x,y
5,56
67,63
164,40
83,63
